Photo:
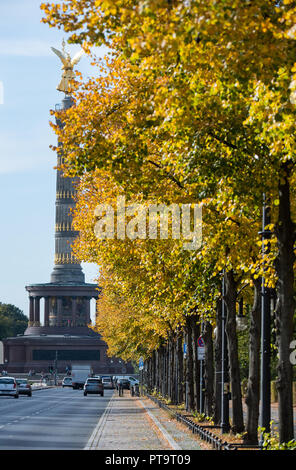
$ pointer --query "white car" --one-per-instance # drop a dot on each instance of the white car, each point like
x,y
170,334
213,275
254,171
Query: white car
x,y
9,387
133,381
67,382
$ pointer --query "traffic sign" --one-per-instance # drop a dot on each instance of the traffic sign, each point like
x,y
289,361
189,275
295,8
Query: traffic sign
x,y
201,350
141,363
200,342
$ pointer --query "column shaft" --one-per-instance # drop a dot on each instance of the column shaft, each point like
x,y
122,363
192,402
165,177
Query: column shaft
x,y
31,311
87,310
36,311
74,310
59,311
46,311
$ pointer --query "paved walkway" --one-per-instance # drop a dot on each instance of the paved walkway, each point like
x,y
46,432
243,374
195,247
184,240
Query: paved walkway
x,y
131,423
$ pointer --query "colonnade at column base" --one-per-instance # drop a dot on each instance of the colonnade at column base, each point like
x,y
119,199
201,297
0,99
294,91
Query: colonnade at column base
x,y
66,305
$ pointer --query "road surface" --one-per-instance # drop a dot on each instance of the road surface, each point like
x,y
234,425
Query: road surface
x,y
52,419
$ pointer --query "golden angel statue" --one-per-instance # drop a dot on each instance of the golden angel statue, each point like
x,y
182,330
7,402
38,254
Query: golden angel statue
x,y
66,83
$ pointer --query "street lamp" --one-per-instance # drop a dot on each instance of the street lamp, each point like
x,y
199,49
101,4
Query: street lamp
x,y
225,426
265,329
55,367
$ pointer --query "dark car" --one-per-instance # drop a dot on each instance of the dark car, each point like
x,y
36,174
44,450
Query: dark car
x,y
24,387
93,385
123,383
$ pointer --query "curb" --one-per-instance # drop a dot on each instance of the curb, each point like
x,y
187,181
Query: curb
x,y
43,388
93,441
161,428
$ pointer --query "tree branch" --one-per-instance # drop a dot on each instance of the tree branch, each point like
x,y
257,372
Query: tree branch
x,y
169,175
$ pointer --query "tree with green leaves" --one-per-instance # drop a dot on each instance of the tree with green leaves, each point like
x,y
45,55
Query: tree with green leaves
x,y
12,321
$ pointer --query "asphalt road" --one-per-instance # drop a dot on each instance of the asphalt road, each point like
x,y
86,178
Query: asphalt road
x,y
52,419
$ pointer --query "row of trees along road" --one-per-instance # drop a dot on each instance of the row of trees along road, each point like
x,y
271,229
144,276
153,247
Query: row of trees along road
x,y
194,103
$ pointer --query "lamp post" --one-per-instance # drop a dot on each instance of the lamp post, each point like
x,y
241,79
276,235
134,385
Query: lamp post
x,y
225,426
55,367
265,329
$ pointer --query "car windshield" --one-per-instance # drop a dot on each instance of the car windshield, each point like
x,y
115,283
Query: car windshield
x,y
106,380
6,381
68,379
21,381
93,381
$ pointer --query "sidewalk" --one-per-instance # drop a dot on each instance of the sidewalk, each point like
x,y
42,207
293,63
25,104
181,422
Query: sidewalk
x,y
131,423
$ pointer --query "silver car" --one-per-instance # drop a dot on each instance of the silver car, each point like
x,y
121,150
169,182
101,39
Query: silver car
x,y
93,385
107,382
9,387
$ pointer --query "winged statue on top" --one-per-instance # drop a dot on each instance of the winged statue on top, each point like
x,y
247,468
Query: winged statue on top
x,y
68,76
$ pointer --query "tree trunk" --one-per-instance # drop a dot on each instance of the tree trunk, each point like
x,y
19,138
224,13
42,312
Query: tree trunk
x,y
171,368
208,369
180,372
196,371
166,370
153,378
236,395
184,369
148,368
156,369
189,366
163,373
253,390
285,231
218,364
174,369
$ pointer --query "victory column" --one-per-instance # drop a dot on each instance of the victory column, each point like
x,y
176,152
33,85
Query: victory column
x,y
64,333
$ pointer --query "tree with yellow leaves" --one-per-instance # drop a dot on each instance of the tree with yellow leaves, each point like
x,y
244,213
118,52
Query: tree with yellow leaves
x,y
200,94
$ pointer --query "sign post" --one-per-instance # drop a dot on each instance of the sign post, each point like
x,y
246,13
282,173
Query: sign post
x,y
141,367
185,350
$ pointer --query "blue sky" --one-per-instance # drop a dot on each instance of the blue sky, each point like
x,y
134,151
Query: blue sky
x,y
29,72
